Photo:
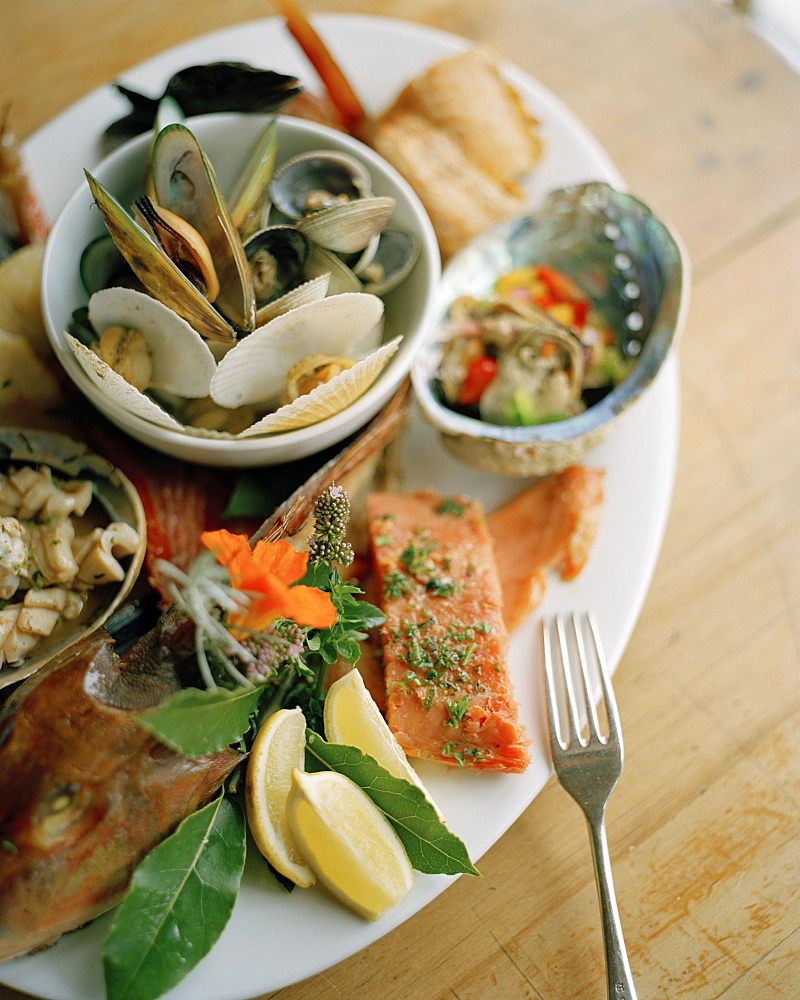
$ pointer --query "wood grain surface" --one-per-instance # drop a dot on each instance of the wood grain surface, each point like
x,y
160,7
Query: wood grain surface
x,y
702,119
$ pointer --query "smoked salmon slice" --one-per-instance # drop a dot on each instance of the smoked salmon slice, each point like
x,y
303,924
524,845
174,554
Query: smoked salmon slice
x,y
449,695
549,526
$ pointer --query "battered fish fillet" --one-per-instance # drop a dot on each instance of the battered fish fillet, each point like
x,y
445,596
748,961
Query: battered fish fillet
x,y
461,136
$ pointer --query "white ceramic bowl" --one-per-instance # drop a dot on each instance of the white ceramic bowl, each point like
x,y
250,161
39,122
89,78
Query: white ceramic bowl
x,y
227,140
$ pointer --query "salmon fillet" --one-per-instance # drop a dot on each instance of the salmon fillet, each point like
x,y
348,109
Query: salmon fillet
x,y
551,525
449,694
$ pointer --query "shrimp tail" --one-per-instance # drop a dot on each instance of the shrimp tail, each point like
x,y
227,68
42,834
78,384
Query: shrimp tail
x,y
342,95
14,182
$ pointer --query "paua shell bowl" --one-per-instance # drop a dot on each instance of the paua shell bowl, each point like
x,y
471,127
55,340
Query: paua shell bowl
x,y
626,260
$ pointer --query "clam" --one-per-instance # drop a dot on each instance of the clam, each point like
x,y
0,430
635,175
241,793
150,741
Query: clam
x,y
396,253
310,291
255,370
113,499
341,278
277,258
348,228
633,268
318,179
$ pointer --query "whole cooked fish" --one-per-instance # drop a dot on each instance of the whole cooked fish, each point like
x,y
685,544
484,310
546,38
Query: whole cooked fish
x,y
86,790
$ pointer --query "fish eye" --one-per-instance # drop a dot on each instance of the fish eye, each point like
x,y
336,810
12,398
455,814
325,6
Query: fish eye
x,y
62,798
61,810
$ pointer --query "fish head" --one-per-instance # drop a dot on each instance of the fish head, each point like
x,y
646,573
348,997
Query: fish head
x,y
87,793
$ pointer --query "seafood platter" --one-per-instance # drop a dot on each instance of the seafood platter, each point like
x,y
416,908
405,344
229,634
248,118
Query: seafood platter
x,y
297,713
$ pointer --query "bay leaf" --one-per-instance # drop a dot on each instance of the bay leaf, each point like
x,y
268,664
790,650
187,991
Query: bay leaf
x,y
430,846
196,721
178,904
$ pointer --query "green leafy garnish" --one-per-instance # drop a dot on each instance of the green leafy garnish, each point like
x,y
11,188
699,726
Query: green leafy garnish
x,y
178,904
430,846
195,721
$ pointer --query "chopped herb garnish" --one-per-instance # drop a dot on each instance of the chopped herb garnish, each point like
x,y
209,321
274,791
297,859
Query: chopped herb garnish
x,y
451,506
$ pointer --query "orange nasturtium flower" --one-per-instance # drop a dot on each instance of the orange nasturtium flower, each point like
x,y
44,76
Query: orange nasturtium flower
x,y
266,574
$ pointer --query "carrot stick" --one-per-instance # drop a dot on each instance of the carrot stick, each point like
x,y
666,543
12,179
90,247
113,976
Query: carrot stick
x,y
341,93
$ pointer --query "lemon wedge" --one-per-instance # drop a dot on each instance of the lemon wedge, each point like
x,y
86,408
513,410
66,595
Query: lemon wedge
x,y
348,842
350,716
278,749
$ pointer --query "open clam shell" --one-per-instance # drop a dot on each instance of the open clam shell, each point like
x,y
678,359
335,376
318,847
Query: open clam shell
x,y
114,386
114,499
396,253
349,228
327,399
317,178
636,272
254,371
277,258
310,291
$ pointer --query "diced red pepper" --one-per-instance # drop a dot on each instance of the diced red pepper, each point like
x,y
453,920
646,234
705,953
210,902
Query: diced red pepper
x,y
480,373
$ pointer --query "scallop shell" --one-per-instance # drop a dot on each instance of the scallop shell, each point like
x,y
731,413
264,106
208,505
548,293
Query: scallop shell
x,y
309,291
254,371
182,361
328,399
115,387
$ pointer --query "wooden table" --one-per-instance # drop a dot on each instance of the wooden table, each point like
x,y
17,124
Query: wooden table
x,y
702,119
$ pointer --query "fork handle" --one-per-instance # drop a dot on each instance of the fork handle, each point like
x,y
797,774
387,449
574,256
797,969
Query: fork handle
x,y
618,972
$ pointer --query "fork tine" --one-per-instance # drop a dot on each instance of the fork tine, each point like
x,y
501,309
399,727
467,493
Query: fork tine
x,y
572,708
606,688
552,697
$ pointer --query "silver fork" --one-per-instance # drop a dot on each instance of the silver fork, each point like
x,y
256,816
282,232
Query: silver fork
x,y
587,767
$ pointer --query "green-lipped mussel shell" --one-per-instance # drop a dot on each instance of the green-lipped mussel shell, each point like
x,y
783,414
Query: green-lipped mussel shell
x,y
184,182
159,275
